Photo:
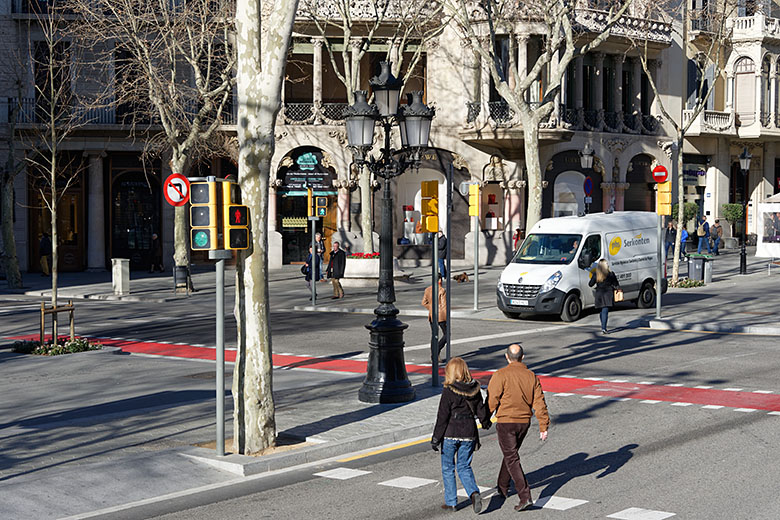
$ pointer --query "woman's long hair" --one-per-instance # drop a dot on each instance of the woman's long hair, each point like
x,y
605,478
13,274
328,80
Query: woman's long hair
x,y
602,270
456,370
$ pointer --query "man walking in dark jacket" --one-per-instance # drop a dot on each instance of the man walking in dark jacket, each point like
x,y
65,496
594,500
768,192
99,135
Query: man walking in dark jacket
x,y
335,271
442,254
514,394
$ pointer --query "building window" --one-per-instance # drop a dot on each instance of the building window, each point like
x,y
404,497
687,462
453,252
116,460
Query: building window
x,y
745,91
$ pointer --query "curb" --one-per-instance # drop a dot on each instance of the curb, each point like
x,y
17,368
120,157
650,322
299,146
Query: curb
x,y
759,330
102,296
367,310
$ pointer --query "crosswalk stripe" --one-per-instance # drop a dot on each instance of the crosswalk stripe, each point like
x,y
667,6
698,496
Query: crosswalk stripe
x,y
462,491
341,473
637,513
558,503
407,482
712,407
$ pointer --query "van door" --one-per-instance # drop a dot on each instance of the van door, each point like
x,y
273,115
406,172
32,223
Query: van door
x,y
591,252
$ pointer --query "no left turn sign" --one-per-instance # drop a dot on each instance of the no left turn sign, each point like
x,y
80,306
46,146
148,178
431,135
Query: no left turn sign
x,y
177,189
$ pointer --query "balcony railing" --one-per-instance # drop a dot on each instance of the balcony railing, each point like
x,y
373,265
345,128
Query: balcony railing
x,y
631,27
710,122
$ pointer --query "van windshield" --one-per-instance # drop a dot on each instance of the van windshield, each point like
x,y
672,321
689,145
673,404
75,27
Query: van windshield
x,y
548,249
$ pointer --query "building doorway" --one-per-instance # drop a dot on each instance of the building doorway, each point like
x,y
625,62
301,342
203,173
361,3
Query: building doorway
x,y
70,228
135,216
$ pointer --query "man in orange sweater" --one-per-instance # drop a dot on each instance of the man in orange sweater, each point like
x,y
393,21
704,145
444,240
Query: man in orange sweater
x,y
515,394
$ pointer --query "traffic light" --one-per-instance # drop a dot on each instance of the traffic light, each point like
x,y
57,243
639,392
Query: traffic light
x,y
322,206
474,200
235,218
203,216
430,206
310,204
664,197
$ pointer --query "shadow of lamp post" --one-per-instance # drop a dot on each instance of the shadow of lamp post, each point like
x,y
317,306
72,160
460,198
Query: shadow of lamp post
x,y
386,380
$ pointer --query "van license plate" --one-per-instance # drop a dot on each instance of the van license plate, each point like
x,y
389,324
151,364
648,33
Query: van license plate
x,y
522,303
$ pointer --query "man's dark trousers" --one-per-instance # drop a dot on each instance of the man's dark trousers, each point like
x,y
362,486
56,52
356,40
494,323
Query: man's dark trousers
x,y
510,437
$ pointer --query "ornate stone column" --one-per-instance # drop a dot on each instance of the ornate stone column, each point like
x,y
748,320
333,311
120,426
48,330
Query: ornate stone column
x,y
316,61
96,224
759,94
484,87
636,85
652,66
773,94
355,44
272,217
598,91
556,114
617,60
342,206
729,91
620,190
578,73
607,195
522,56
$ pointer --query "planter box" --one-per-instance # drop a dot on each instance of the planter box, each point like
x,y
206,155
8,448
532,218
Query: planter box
x,y
360,272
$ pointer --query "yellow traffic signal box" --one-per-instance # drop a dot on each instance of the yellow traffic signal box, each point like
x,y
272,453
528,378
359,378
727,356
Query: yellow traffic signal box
x,y
235,218
322,206
310,202
474,197
429,203
664,198
203,216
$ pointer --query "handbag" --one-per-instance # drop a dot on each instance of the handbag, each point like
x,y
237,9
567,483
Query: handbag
x,y
618,295
304,269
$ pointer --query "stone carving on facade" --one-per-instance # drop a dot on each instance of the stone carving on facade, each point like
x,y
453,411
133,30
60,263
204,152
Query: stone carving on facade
x,y
281,135
276,183
459,163
286,162
494,171
513,185
667,147
339,135
617,145
327,160
616,169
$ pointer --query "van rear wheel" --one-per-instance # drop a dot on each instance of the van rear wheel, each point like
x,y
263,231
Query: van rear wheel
x,y
646,298
572,308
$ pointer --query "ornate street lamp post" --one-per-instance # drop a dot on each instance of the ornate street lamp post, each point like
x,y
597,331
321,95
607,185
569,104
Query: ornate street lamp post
x,y
386,380
744,165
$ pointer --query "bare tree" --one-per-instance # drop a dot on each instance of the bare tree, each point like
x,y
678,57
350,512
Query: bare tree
x,y
565,36
174,71
12,167
58,110
707,54
405,26
262,57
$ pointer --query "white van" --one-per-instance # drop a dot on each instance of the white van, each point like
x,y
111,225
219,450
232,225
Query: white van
x,y
549,274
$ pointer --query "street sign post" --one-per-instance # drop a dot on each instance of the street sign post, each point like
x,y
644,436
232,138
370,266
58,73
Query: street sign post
x,y
663,207
177,189
587,187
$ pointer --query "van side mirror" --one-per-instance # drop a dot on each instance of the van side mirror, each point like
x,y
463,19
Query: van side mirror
x,y
586,259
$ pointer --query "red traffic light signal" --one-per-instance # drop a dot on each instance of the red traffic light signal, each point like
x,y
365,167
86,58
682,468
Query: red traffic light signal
x,y
238,216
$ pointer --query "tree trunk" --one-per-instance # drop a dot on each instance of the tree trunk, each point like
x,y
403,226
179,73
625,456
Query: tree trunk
x,y
181,256
366,210
54,239
260,73
534,172
10,261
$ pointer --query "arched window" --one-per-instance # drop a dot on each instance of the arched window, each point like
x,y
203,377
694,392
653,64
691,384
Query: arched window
x,y
569,195
745,91
765,91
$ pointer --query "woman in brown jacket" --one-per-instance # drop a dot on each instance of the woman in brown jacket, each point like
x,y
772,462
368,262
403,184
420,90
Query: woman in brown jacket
x,y
456,431
427,302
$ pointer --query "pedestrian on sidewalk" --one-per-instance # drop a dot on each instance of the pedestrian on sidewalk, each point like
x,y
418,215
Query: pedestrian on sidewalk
x,y
671,234
320,245
517,238
156,254
427,302
703,232
515,394
683,242
716,232
336,265
442,254
456,432
44,251
311,262
606,284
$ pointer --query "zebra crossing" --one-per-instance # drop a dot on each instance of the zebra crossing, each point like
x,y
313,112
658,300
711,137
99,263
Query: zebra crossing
x,y
552,502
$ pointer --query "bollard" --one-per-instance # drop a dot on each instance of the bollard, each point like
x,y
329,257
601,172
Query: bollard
x,y
120,275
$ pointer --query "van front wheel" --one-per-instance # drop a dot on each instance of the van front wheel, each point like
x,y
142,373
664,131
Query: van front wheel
x,y
572,308
646,298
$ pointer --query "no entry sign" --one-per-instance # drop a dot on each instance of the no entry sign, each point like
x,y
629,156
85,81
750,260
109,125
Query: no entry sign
x,y
177,189
660,174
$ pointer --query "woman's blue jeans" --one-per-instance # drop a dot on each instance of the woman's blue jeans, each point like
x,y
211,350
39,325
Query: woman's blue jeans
x,y
604,315
463,450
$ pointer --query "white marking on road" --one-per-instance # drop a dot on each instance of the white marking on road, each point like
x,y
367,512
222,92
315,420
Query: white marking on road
x,y
407,482
774,413
482,489
762,392
591,396
558,503
673,384
637,513
568,376
746,410
593,378
732,389
342,473
564,394
542,375
646,383
682,404
712,407
649,401
619,381
703,387
474,339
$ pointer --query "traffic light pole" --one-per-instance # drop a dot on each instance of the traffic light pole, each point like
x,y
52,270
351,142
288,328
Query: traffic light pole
x,y
661,263
435,310
449,258
315,260
220,256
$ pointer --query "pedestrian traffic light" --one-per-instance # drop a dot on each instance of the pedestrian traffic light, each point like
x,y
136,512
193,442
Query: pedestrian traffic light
x,y
431,223
310,204
474,200
322,206
235,218
664,198
203,216
429,204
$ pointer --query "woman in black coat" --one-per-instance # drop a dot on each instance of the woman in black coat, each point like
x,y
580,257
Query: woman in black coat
x,y
606,284
456,431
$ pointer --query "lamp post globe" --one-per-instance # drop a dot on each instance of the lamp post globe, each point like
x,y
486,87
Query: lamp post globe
x,y
744,165
386,379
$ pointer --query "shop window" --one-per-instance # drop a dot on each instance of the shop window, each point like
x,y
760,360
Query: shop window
x,y
492,207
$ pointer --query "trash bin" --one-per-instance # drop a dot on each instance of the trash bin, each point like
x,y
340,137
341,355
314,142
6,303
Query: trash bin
x,y
707,269
696,268
120,275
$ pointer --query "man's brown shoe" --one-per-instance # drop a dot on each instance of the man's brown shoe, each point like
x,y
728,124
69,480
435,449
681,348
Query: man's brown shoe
x,y
523,506
448,508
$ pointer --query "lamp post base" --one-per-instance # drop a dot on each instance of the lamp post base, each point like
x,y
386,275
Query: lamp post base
x,y
743,260
386,380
